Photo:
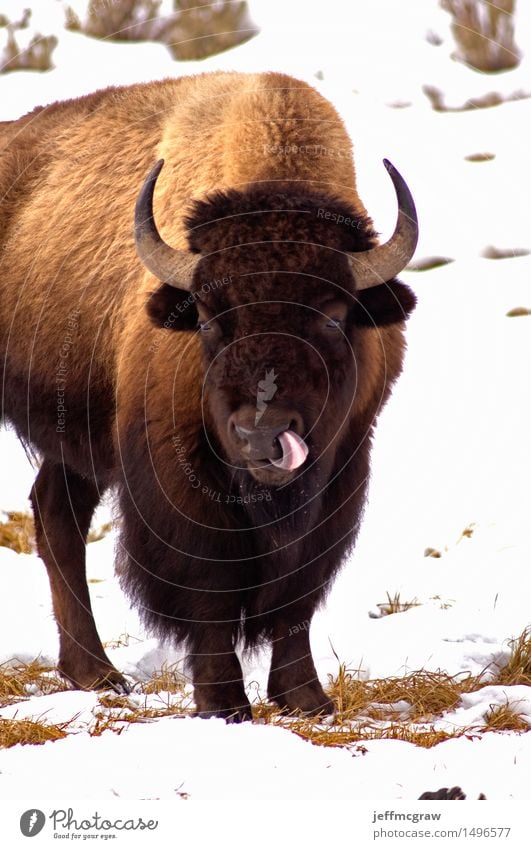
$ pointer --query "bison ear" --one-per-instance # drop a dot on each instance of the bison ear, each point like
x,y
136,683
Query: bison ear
x,y
386,304
173,309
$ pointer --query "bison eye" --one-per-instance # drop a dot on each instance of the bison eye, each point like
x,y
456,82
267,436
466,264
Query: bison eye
x,y
205,326
334,324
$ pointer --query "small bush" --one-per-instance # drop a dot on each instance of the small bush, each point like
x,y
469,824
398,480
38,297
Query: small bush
x,y
484,33
37,56
517,670
194,31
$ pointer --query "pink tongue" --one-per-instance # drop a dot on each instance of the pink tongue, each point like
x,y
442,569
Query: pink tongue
x,y
294,451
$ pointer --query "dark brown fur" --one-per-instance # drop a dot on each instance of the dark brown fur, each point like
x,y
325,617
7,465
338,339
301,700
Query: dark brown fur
x,y
211,554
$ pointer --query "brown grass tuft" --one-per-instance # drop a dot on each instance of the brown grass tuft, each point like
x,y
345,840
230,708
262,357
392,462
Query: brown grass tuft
x,y
168,679
95,534
29,732
504,718
117,712
399,708
517,670
36,56
485,101
484,33
517,312
428,263
17,680
195,30
394,604
17,532
427,694
480,157
491,252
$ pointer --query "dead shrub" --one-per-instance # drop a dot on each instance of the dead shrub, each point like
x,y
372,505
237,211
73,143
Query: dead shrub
x,y
195,30
484,33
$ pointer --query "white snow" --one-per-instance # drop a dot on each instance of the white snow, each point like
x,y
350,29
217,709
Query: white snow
x,y
451,451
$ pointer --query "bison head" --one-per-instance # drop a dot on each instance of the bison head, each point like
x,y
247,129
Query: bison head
x,y
281,286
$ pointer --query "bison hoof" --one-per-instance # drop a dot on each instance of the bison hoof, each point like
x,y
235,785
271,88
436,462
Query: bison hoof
x,y
98,678
309,699
230,715
324,708
209,702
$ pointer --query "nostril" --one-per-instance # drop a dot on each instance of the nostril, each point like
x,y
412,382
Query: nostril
x,y
296,425
237,433
242,433
233,431
263,442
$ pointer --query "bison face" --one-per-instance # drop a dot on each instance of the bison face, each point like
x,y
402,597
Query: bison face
x,y
280,376
280,287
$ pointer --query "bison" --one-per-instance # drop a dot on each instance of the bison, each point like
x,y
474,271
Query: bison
x,y
217,355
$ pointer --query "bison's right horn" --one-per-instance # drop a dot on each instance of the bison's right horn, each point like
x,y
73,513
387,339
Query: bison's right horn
x,y
170,265
382,263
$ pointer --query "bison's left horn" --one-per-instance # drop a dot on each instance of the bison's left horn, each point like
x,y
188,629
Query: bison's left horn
x,y
172,266
382,263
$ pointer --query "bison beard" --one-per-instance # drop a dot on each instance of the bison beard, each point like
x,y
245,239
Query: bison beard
x,y
260,587
257,586
277,260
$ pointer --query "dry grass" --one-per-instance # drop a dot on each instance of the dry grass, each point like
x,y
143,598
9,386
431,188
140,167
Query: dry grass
x,y
406,708
29,732
517,670
492,252
17,532
485,101
517,312
168,680
428,263
427,695
467,533
480,157
394,604
19,680
505,718
117,712
95,534
195,30
36,56
484,33
382,709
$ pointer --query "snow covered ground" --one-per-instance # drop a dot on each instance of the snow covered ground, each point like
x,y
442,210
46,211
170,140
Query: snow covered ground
x,y
461,410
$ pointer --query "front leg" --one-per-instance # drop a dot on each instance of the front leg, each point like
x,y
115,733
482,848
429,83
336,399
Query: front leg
x,y
63,503
293,682
217,674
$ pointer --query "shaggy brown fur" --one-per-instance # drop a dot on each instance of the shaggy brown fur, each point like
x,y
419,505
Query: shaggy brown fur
x,y
113,394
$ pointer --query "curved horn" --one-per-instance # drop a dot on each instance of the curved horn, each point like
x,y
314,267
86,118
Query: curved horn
x,y
382,263
171,266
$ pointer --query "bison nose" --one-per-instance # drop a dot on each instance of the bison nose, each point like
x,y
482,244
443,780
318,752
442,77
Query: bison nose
x,y
262,440
260,443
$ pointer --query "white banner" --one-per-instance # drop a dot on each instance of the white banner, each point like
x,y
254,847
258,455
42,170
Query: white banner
x,y
263,824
